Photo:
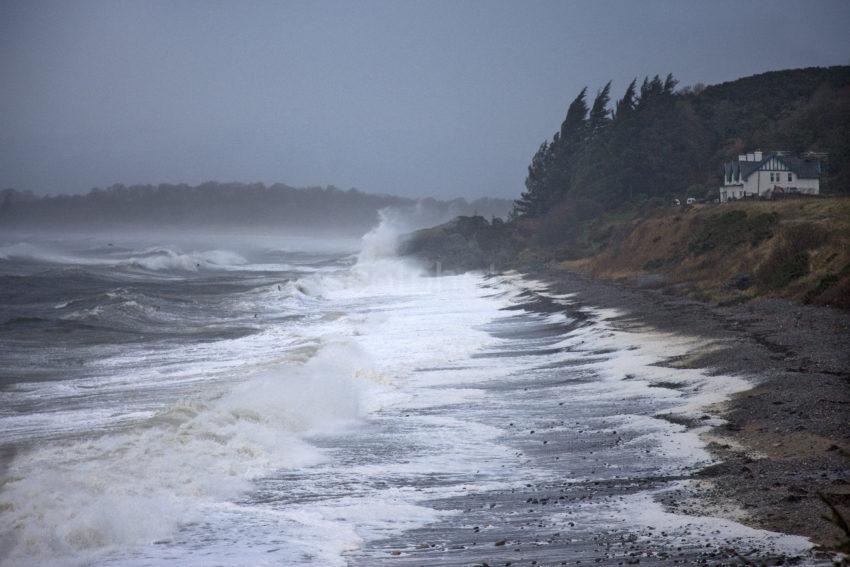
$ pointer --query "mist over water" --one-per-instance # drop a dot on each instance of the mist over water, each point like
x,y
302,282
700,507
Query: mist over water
x,y
197,398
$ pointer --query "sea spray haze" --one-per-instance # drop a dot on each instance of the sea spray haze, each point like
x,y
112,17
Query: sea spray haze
x,y
231,207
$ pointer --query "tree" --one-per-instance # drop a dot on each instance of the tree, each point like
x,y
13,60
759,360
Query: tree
x,y
626,104
574,122
658,142
534,200
599,113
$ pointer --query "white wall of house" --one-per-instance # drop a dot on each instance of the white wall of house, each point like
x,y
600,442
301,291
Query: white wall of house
x,y
731,191
808,186
772,174
764,180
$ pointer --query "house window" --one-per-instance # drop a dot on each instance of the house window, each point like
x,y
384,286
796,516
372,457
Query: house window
x,y
790,177
771,177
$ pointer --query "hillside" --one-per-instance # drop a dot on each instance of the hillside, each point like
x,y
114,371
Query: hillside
x,y
657,142
599,195
730,253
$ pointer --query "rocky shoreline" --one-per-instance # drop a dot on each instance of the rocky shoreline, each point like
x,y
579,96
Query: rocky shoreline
x,y
786,441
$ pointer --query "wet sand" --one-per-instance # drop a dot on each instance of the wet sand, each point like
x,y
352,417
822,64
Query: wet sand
x,y
788,438
609,496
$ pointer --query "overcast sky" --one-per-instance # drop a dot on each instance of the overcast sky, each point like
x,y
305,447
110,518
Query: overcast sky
x,y
413,98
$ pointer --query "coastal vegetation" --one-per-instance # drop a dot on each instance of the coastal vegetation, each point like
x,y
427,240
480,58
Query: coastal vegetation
x,y
658,142
601,196
728,253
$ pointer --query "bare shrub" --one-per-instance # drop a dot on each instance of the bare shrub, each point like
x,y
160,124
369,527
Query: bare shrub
x,y
806,235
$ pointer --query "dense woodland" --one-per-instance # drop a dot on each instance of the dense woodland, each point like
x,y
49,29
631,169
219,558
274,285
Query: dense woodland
x,y
229,205
659,142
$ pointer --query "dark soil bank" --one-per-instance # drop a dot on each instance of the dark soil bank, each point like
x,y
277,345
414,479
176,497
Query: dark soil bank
x,y
788,437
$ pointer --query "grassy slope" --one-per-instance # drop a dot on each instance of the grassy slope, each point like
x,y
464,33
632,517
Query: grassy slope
x,y
798,249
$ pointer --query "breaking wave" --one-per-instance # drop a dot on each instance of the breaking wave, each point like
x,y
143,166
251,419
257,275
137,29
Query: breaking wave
x,y
64,500
153,259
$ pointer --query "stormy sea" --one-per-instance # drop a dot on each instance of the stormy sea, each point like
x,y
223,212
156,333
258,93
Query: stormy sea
x,y
240,400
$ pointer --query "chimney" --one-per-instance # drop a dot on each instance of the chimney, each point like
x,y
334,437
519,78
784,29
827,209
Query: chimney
x,y
757,155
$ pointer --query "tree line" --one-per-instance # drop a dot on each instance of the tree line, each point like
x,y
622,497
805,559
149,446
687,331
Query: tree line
x,y
659,142
213,204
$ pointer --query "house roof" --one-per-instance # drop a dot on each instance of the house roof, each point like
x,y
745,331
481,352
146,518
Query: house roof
x,y
802,168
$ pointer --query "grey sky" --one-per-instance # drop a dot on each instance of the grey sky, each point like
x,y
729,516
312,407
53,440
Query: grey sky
x,y
413,98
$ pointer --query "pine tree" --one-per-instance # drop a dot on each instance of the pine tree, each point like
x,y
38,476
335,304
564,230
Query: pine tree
x,y
644,91
626,104
670,84
574,122
533,201
599,112
573,135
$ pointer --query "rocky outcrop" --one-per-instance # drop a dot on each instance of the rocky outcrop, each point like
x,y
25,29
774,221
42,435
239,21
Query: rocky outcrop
x,y
465,243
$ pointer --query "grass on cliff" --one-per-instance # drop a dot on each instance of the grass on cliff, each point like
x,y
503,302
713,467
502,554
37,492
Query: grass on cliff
x,y
799,249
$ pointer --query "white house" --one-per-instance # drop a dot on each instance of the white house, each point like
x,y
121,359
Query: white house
x,y
763,175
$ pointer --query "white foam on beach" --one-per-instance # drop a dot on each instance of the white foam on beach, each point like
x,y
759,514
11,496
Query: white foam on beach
x,y
641,355
636,364
642,515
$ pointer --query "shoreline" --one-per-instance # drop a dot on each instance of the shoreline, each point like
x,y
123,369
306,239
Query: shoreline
x,y
785,439
607,442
